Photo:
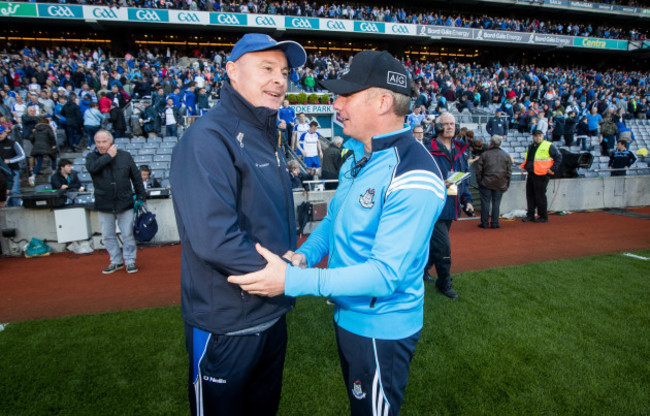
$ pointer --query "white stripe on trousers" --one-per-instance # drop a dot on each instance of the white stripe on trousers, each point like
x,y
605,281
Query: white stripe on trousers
x,y
378,400
198,383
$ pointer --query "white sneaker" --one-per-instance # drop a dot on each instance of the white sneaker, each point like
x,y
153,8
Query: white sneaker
x,y
32,180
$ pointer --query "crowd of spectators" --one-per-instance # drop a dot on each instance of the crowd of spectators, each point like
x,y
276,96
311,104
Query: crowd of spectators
x,y
58,80
391,14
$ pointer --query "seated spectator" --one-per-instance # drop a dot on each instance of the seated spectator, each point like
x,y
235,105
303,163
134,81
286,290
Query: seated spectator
x,y
147,180
65,177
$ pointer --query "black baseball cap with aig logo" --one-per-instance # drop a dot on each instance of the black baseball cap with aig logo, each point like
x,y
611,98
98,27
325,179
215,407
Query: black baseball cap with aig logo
x,y
372,69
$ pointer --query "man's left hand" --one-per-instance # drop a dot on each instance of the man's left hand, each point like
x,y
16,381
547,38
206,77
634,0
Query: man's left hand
x,y
266,282
469,207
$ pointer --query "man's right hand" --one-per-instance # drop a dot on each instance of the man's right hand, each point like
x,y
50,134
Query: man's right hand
x,y
296,259
112,150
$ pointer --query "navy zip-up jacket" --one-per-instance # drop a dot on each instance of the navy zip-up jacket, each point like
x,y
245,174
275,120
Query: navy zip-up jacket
x,y
231,190
452,161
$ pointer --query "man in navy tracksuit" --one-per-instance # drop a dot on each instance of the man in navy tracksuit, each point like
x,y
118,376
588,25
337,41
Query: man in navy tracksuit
x,y
449,153
231,190
375,233
621,159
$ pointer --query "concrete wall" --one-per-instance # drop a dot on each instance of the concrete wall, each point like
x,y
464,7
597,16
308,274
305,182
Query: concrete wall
x,y
563,195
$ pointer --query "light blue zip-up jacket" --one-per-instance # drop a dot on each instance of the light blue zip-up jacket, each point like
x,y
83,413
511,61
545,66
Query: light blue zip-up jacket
x,y
376,234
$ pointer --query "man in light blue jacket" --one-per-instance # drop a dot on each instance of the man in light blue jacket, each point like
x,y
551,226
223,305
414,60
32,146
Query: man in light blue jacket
x,y
376,235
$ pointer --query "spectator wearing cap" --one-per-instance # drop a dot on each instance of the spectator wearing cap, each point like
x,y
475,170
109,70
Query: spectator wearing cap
x,y
493,171
375,240
231,190
498,124
542,160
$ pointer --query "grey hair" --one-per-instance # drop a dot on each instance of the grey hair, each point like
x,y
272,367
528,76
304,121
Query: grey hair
x,y
401,102
106,132
496,140
337,140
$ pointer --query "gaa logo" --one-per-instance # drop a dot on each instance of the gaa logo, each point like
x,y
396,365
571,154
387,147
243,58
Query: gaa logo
x,y
188,17
60,11
227,19
368,27
147,15
335,25
265,21
400,29
301,23
104,13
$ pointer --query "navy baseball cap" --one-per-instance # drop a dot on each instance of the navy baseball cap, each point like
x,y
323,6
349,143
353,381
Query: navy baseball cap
x,y
256,42
2,129
372,69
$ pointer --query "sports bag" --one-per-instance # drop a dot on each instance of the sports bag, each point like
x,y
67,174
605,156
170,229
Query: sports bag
x,y
145,225
37,248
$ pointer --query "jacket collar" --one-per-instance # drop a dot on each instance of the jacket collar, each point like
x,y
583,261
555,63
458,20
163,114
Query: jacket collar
x,y
261,117
382,141
438,148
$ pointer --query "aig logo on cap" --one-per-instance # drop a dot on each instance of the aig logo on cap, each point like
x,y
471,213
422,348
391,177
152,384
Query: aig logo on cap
x,y
397,79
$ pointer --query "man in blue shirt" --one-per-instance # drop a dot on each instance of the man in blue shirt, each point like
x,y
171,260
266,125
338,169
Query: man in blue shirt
x,y
415,118
375,233
287,114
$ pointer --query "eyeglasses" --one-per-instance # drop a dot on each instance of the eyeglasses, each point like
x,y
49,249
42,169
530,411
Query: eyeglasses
x,y
418,132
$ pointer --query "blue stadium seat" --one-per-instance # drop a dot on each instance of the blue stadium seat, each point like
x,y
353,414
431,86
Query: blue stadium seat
x,y
143,159
159,174
150,145
171,139
154,140
122,141
85,177
165,151
79,161
168,144
162,158
138,140
159,165
147,151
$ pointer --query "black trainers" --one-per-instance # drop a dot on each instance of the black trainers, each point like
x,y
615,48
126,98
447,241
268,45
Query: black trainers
x,y
449,292
528,219
112,268
541,220
428,278
131,268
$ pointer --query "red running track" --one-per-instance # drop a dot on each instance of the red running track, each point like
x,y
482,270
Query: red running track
x,y
68,284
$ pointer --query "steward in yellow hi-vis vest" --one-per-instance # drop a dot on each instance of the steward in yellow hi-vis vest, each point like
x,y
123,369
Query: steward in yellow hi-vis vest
x,y
542,160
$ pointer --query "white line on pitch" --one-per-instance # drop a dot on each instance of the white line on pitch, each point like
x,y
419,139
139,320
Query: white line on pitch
x,y
635,256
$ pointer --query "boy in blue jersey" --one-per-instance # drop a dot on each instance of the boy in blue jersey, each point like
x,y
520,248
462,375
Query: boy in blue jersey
x,y
376,232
